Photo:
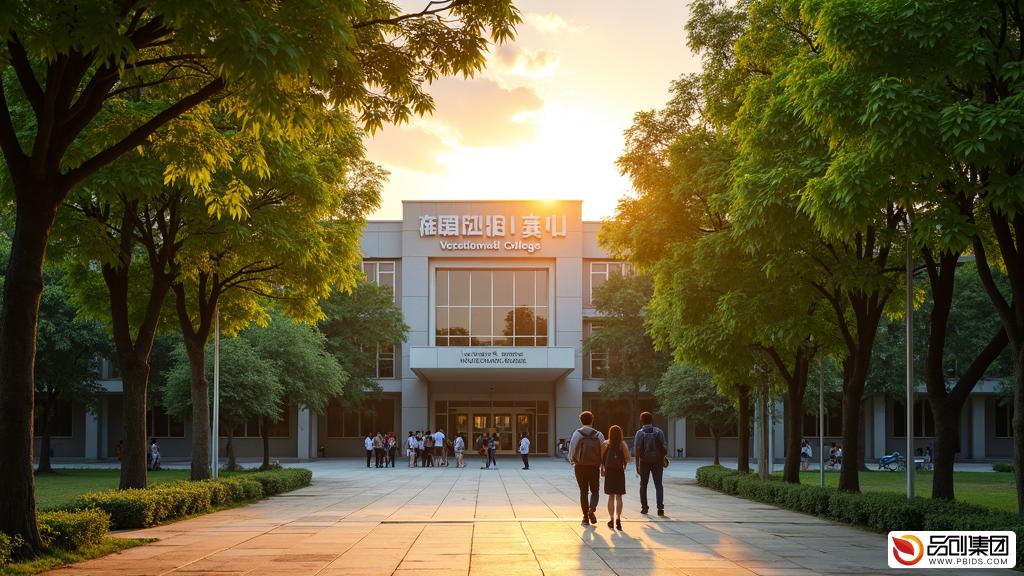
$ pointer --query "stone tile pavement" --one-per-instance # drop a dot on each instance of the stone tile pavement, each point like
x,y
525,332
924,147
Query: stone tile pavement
x,y
506,522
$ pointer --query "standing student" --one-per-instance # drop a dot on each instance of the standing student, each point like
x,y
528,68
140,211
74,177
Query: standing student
x,y
154,454
492,450
805,455
440,458
481,449
460,447
368,446
410,449
392,448
378,450
614,460
428,449
524,450
585,456
650,447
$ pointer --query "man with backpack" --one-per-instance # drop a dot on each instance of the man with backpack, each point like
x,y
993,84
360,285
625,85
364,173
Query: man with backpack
x,y
650,447
585,456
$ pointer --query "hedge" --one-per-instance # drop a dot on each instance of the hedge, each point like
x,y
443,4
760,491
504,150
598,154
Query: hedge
x,y
73,530
7,546
1002,467
879,511
151,506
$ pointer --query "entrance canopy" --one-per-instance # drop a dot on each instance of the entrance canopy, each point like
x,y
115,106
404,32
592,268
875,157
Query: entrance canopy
x,y
491,364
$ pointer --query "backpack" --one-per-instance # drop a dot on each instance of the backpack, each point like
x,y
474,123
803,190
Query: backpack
x,y
613,457
588,449
651,451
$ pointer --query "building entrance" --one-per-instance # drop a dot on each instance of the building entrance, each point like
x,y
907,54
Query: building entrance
x,y
508,419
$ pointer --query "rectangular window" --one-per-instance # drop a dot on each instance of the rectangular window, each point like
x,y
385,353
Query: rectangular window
x,y
61,421
161,425
598,360
491,307
381,273
924,421
1004,419
833,421
282,428
386,361
601,271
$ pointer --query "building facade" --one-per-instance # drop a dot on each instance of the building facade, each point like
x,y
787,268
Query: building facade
x,y
498,299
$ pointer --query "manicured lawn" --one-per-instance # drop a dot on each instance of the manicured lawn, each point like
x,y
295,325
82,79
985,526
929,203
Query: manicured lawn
x,y
54,490
992,489
57,558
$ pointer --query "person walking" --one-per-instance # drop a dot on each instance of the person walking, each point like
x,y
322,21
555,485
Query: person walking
x,y
392,448
585,457
481,449
460,447
492,450
650,447
614,461
524,450
805,455
368,445
154,454
410,449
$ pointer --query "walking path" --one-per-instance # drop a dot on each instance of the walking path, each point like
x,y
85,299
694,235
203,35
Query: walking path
x,y
507,522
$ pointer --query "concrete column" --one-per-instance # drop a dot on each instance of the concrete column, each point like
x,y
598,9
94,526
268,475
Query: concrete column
x,y
977,404
755,453
680,436
104,417
878,426
92,435
416,310
568,317
778,431
314,435
302,433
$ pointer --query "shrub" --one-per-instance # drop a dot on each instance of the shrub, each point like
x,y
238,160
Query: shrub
x,y
882,512
1002,467
71,530
142,508
8,544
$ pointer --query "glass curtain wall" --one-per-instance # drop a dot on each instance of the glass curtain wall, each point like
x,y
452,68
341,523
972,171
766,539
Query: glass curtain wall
x,y
491,307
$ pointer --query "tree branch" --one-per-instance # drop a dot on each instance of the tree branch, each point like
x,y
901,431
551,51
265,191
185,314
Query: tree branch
x,y
442,6
26,77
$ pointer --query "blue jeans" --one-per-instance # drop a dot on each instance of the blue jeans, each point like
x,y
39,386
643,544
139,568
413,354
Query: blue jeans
x,y
646,471
490,458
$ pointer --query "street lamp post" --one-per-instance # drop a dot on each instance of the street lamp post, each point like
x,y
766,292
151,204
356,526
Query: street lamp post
x,y
214,449
909,311
821,423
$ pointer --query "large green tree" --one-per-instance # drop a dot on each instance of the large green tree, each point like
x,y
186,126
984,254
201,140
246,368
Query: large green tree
x,y
69,350
63,68
684,392
310,376
634,365
357,324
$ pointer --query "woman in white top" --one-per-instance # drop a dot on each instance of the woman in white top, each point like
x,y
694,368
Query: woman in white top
x,y
524,450
460,447
410,448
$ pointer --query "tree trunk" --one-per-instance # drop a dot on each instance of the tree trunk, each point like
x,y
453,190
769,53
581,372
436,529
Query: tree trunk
x,y
794,412
743,450
265,433
232,464
947,442
44,433
718,438
134,378
853,392
195,347
1018,425
23,286
763,469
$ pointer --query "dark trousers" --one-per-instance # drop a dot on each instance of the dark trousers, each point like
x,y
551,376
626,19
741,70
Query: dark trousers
x,y
378,457
490,458
392,453
369,454
428,456
526,461
588,478
646,471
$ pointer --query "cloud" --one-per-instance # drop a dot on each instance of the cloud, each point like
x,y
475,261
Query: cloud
x,y
518,61
479,112
409,147
549,23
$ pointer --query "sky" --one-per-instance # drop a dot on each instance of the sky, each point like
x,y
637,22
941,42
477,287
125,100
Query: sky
x,y
545,119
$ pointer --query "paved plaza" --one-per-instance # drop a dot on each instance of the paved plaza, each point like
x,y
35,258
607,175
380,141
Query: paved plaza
x,y
506,522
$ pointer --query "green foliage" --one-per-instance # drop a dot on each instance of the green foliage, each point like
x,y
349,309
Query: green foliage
x,y
634,365
1002,467
164,502
685,392
356,323
249,385
71,530
8,544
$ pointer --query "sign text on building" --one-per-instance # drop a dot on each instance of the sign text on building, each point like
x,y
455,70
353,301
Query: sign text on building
x,y
492,231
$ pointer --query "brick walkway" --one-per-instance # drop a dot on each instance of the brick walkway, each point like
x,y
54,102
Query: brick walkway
x,y
355,521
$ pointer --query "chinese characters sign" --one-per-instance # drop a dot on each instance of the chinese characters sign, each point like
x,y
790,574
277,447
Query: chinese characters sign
x,y
492,231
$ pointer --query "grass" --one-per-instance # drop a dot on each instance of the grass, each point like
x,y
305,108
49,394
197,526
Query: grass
x,y
992,489
58,558
60,488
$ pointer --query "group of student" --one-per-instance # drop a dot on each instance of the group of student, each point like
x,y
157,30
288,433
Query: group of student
x,y
594,457
432,449
381,448
835,455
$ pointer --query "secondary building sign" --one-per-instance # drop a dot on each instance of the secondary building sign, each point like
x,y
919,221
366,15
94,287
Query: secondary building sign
x,y
487,232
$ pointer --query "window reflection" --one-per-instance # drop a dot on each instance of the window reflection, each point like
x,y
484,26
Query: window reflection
x,y
491,307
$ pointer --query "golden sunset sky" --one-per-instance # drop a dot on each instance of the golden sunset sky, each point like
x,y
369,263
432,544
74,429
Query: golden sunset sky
x,y
545,119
